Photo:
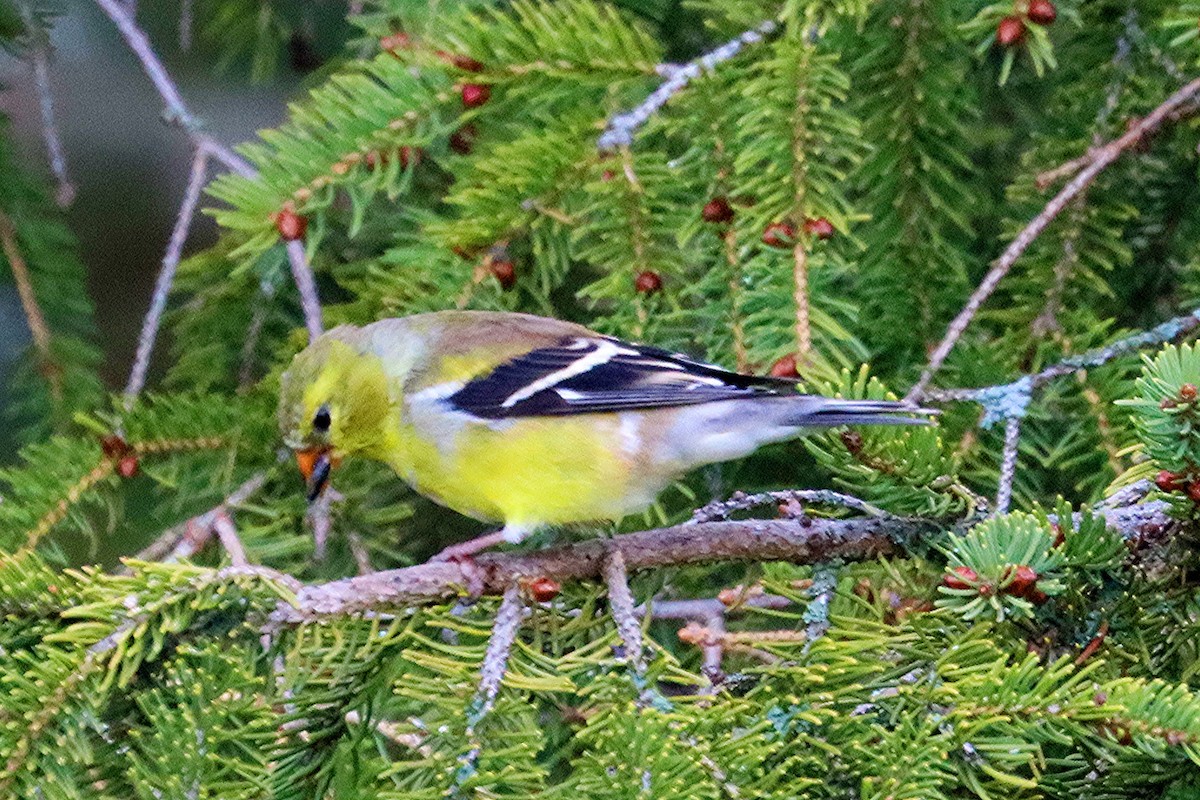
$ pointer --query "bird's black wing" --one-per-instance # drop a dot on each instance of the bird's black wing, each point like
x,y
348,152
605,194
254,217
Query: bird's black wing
x,y
591,374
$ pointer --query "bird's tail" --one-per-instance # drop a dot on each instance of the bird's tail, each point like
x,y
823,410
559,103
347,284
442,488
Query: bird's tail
x,y
813,411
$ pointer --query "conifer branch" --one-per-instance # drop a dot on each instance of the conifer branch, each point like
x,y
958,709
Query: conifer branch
x,y
166,277
621,128
39,63
800,295
36,320
1096,162
620,602
306,284
1008,463
808,540
188,538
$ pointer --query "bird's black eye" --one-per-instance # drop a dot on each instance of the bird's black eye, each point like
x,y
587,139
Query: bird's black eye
x,y
321,420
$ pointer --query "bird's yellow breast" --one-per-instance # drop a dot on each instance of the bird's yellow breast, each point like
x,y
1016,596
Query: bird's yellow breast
x,y
534,471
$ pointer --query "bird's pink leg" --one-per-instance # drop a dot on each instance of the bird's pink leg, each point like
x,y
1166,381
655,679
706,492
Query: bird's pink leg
x,y
457,552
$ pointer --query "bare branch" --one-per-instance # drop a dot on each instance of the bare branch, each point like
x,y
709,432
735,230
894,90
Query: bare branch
x,y
166,277
622,127
39,62
1008,463
122,16
38,328
188,538
226,531
1170,331
491,675
1100,159
620,602
740,501
307,286
800,541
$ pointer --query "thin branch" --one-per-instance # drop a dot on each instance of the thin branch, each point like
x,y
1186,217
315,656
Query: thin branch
x,y
1008,463
740,501
621,128
189,537
39,61
166,277
318,517
176,110
491,675
226,531
800,295
620,603
1170,331
807,540
38,328
1100,158
700,609
302,273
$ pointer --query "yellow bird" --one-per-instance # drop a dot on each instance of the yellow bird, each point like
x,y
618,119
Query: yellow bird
x,y
529,421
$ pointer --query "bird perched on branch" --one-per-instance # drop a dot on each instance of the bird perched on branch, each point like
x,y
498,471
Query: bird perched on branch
x,y
529,421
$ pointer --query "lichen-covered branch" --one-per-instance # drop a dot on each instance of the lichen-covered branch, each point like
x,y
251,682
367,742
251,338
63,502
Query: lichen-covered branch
x,y
1097,160
806,540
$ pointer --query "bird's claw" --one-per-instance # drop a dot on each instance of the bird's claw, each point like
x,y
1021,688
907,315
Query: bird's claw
x,y
473,574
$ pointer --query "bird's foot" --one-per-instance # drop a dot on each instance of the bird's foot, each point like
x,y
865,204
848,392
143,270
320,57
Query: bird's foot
x,y
463,554
456,552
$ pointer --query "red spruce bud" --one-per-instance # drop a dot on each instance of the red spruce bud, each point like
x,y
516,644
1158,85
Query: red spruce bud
x,y
648,282
475,94
785,368
960,578
1169,481
1042,12
127,467
818,227
1010,31
779,234
1187,392
291,226
544,589
1024,578
505,273
717,210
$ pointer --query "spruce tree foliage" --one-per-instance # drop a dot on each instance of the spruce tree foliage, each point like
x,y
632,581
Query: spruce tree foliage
x,y
867,160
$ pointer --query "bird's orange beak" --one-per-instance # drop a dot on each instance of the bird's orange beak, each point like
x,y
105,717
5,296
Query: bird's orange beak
x,y
316,464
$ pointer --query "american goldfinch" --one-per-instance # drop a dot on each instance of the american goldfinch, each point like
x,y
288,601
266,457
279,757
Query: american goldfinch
x,y
529,421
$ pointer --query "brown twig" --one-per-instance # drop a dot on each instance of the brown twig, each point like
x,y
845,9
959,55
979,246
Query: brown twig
x,y
39,63
1008,463
306,284
491,675
189,537
620,603
166,277
38,328
801,541
1098,160
800,294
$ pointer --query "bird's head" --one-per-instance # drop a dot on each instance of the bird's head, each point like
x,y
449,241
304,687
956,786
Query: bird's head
x,y
334,401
